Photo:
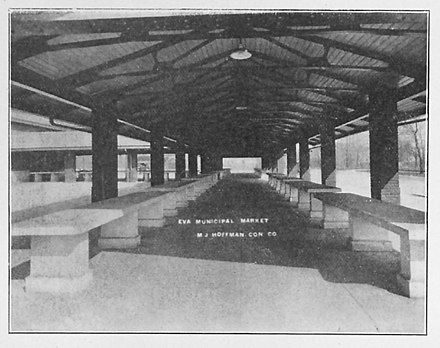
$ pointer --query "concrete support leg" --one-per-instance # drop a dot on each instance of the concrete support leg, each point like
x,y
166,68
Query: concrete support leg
x,y
384,159
411,279
181,198
121,233
304,202
152,214
104,154
157,157
316,211
278,185
55,177
294,196
170,205
59,264
335,217
38,177
328,154
368,237
132,163
304,159
287,189
192,193
69,167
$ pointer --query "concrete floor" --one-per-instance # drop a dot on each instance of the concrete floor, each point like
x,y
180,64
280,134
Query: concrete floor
x,y
298,281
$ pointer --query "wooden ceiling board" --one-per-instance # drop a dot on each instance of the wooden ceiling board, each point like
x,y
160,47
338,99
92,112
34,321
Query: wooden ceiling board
x,y
145,63
310,49
173,52
109,84
340,57
324,81
67,62
214,48
270,49
63,39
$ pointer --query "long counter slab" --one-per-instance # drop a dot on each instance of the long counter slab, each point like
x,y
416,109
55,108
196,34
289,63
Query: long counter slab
x,y
380,226
59,240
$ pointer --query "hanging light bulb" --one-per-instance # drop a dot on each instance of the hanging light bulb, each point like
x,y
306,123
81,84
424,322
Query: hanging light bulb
x,y
241,54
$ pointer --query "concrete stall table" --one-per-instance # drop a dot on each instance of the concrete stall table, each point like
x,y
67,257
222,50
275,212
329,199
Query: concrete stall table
x,y
380,226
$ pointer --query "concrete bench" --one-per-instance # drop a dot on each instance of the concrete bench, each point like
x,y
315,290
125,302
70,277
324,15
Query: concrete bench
x,y
60,248
144,209
180,194
284,187
301,194
225,173
380,226
274,180
203,182
60,240
147,209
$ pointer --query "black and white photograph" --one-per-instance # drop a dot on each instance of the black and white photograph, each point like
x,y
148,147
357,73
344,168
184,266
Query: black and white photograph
x,y
218,171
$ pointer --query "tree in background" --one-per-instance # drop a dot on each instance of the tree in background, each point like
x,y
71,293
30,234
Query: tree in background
x,y
352,152
412,139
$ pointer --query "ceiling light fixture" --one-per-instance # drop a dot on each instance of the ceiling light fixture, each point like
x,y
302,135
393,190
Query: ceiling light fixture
x,y
241,54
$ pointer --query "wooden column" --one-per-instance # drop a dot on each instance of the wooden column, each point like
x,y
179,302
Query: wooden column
x,y
304,159
217,162
69,167
157,156
204,159
192,159
384,147
132,175
104,153
180,161
328,152
264,162
292,165
273,164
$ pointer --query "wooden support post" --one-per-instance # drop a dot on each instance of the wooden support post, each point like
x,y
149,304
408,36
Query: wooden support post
x,y
274,165
192,163
304,159
217,162
292,165
132,175
180,161
204,164
157,156
69,167
104,153
264,162
328,152
384,147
